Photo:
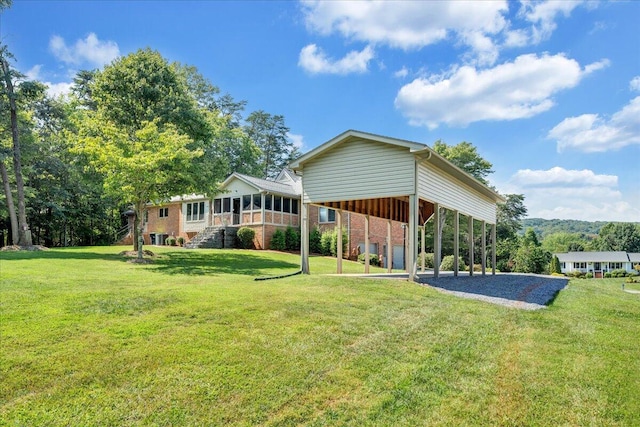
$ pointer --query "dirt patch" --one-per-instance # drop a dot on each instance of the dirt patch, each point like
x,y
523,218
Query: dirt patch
x,y
24,248
133,256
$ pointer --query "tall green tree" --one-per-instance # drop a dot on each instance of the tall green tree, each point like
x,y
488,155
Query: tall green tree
x,y
147,135
8,93
564,242
149,165
530,256
269,133
465,155
618,236
509,216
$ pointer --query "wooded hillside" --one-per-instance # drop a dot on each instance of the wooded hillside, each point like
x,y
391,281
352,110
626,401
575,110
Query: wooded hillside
x,y
544,227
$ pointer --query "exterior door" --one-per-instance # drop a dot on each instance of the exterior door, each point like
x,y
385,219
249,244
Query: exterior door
x,y
236,211
398,257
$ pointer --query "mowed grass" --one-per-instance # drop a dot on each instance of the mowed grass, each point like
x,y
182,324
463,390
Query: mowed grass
x,y
89,339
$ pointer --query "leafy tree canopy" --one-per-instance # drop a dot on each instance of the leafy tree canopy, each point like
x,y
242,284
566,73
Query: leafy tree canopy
x,y
618,236
465,156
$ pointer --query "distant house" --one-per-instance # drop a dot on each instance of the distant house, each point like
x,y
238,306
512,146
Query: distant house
x,y
597,263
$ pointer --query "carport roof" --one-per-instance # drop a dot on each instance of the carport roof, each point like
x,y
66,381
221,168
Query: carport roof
x,y
421,151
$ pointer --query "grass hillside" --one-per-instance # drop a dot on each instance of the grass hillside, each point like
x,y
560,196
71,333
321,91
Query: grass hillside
x,y
89,339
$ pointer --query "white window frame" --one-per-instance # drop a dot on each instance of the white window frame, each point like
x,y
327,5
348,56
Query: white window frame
x,y
197,214
326,213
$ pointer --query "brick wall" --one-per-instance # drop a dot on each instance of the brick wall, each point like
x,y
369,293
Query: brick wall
x,y
355,224
170,225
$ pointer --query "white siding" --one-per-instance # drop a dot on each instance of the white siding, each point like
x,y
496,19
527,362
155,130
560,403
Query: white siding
x,y
197,226
237,188
359,170
438,187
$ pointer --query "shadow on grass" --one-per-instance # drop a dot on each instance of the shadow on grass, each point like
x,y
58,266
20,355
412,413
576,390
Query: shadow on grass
x,y
213,262
66,253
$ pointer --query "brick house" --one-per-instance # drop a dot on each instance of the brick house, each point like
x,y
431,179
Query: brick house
x,y
265,206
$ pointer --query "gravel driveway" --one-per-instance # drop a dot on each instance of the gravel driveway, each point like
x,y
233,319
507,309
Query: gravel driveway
x,y
524,291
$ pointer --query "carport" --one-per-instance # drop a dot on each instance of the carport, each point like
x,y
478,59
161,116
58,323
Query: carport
x,y
396,180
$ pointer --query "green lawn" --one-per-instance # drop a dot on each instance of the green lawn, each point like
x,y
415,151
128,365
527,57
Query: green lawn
x,y
88,339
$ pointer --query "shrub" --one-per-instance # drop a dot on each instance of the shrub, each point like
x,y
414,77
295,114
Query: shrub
x,y
373,259
589,275
559,274
620,272
180,240
630,280
325,243
607,275
428,260
577,274
329,243
245,237
315,237
171,241
292,239
555,265
278,241
504,266
447,263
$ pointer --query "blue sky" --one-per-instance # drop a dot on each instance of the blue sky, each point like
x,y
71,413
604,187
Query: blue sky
x,y
549,92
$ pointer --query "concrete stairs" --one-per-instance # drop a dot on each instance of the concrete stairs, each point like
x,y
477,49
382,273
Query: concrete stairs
x,y
216,237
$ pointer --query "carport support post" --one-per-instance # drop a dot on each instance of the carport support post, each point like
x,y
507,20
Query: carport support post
x,y
484,248
389,248
339,241
471,262
456,242
413,236
422,246
436,240
304,239
493,249
366,244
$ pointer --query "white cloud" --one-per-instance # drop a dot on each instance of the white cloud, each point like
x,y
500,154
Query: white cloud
x,y
599,65
315,61
296,140
482,26
411,24
512,90
34,72
593,133
558,176
90,50
57,89
401,73
542,15
573,194
634,84
53,89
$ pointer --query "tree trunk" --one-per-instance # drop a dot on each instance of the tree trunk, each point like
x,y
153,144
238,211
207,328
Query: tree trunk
x,y
24,234
138,227
10,206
